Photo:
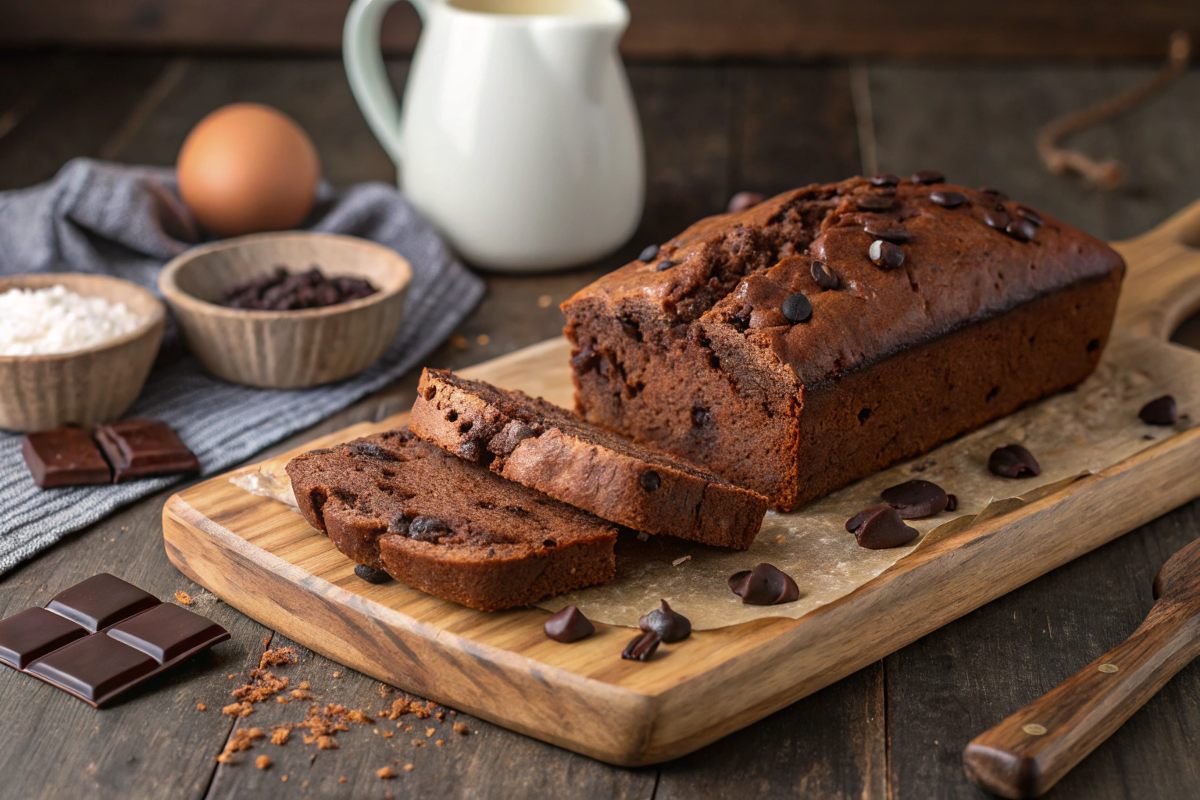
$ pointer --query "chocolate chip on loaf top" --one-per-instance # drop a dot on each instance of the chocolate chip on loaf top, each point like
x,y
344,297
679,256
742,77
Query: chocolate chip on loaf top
x,y
446,526
540,445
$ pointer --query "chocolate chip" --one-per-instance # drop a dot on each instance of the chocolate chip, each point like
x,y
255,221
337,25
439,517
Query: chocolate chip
x,y
952,502
880,527
700,416
370,450
506,441
994,192
667,623
649,254
824,275
370,574
885,179
947,199
399,524
1025,212
642,646
1162,411
1013,461
743,201
928,176
665,264
765,585
1021,229
916,499
874,202
427,529
568,625
880,229
885,254
650,480
796,308
997,218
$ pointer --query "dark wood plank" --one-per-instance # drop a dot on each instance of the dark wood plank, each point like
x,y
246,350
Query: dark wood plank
x,y
661,28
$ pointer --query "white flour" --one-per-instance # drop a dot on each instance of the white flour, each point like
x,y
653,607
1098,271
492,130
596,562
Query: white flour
x,y
54,320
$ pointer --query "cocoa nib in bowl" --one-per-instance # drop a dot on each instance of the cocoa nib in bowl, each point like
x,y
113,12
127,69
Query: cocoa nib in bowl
x,y
280,290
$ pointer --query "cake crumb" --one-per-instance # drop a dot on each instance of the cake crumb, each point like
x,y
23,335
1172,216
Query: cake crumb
x,y
231,676
429,732
342,779
282,699
482,339
441,715
407,728
388,734
300,694
544,301
408,767
273,658
385,773
326,742
304,685
183,597
337,673
262,762
283,778
440,742
280,735
680,560
461,728
201,707
779,539
255,733
418,743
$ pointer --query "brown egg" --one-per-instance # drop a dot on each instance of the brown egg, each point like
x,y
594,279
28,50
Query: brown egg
x,y
247,168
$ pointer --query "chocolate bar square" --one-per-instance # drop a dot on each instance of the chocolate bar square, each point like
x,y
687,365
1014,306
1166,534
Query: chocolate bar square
x,y
165,631
94,667
100,601
33,633
64,457
141,447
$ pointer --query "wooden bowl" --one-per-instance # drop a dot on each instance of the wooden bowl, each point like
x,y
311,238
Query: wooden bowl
x,y
83,387
286,349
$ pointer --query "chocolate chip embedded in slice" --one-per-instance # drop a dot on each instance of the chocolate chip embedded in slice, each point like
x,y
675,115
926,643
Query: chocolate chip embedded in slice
x,y
664,265
916,499
952,502
947,199
370,574
885,179
928,176
765,585
880,229
882,528
427,529
650,480
667,623
1013,461
743,201
1021,229
1161,411
997,218
568,625
1025,212
649,254
642,646
874,202
994,192
885,254
796,308
824,275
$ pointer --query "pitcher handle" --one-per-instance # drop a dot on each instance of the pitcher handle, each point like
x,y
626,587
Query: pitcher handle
x,y
369,82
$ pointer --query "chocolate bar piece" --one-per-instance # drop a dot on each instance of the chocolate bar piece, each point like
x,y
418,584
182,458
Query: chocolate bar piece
x,y
140,447
64,457
103,636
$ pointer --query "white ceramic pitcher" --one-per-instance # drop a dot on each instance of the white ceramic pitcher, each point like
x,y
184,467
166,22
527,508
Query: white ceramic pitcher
x,y
518,136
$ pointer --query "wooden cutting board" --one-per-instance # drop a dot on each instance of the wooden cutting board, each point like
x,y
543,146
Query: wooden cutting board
x,y
266,561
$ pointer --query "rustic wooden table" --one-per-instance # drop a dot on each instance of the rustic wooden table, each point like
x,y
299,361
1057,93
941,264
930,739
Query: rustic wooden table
x,y
895,729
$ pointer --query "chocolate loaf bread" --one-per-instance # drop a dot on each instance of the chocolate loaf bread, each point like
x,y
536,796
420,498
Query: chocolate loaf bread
x,y
832,330
544,447
448,527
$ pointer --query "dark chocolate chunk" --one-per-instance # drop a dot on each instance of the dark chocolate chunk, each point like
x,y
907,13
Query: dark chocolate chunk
x,y
506,441
650,480
916,499
568,625
642,646
743,201
1021,229
881,528
947,199
994,192
664,265
1161,411
427,529
1013,461
102,637
669,624
885,179
952,502
399,524
1025,212
64,457
886,254
370,450
100,601
765,585
649,254
370,574
874,202
280,290
824,275
928,176
858,519
140,447
796,308
882,229
997,218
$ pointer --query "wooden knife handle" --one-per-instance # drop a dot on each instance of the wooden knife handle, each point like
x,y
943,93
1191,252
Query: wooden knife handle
x,y
1030,751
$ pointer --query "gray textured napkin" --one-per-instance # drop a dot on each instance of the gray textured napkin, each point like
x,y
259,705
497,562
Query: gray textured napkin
x,y
128,221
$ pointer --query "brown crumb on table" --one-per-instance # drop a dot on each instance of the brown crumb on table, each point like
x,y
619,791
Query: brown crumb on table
x,y
300,694
283,778
282,699
388,734
441,715
273,658
408,767
385,772
407,728
337,674
384,690
231,676
482,339
201,707
429,732
418,743
326,743
779,539
183,597
544,301
304,685
440,742
461,728
280,735
256,733
262,762
241,740
342,779
680,560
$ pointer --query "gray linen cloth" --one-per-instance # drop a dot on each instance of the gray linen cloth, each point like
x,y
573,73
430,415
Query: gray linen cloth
x,y
127,221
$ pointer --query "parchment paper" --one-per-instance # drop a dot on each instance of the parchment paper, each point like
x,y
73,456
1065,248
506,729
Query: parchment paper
x,y
1071,434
